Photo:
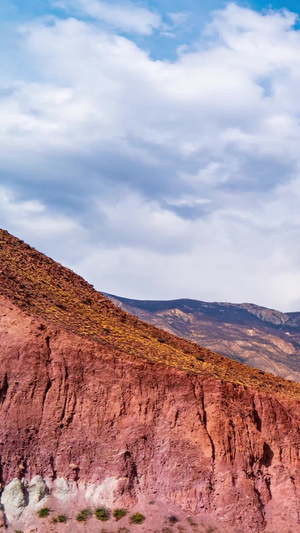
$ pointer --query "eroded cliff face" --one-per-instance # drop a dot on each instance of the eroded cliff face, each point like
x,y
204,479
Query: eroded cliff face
x,y
125,430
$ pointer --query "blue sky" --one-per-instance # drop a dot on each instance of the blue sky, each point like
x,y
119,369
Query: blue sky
x,y
153,147
200,13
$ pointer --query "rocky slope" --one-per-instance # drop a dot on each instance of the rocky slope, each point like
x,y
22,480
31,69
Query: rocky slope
x,y
260,337
100,409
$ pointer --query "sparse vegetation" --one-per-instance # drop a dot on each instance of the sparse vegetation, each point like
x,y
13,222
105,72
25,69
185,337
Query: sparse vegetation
x,y
137,518
83,515
119,513
60,518
173,519
123,530
53,292
103,514
44,512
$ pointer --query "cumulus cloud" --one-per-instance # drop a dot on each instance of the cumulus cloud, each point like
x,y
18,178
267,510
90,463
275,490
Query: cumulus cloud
x,y
170,178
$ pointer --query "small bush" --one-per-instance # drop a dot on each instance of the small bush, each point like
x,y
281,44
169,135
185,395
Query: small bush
x,y
61,518
83,515
119,513
173,519
101,513
61,306
44,512
137,518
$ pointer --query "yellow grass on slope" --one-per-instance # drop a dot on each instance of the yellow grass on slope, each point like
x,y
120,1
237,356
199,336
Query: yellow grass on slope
x,y
44,288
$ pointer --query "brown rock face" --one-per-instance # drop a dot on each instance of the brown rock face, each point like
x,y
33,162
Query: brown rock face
x,y
260,337
83,411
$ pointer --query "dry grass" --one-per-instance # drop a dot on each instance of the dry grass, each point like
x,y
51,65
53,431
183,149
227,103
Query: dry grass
x,y
46,289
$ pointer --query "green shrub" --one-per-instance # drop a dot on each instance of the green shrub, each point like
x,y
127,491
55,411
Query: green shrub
x,y
59,518
44,512
101,513
83,515
119,513
137,518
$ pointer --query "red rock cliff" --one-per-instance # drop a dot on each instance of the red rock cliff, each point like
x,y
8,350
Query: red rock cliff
x,y
152,424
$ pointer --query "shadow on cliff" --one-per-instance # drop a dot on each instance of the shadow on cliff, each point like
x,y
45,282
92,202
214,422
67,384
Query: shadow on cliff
x,y
267,457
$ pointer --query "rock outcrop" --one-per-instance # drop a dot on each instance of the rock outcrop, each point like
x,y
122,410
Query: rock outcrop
x,y
157,425
13,499
37,490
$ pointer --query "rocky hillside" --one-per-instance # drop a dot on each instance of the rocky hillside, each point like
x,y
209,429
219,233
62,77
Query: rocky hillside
x,y
260,337
99,410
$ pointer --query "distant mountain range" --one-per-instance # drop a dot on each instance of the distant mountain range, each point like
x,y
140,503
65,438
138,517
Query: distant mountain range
x,y
263,338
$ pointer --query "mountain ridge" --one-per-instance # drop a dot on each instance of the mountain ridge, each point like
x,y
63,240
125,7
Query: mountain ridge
x,y
257,310
30,280
263,338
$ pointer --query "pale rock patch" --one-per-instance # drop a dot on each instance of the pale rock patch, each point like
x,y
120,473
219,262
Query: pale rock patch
x,y
13,499
105,493
37,490
62,490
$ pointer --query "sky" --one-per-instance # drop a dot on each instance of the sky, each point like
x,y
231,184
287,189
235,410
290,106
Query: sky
x,y
153,147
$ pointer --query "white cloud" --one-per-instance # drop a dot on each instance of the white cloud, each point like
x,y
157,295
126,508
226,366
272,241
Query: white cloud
x,y
30,218
126,16
169,178
130,220
179,18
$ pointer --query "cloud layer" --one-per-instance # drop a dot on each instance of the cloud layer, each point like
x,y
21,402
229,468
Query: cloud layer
x,y
152,178
126,16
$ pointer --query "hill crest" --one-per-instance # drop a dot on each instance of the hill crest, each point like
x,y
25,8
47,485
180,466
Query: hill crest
x,y
44,288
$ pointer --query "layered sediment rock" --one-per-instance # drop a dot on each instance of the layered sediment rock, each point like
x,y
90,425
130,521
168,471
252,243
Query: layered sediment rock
x,y
74,412
124,415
